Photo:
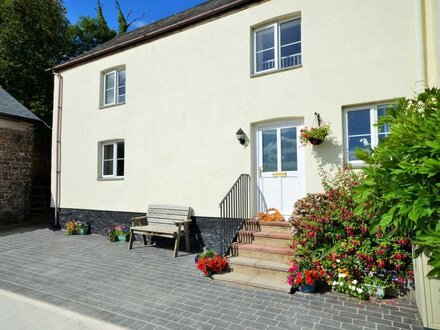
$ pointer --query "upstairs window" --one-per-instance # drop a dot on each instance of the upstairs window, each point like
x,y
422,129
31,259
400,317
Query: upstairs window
x,y
361,131
113,87
112,159
277,46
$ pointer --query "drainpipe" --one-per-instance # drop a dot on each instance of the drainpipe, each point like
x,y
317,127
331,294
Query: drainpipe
x,y
58,149
420,81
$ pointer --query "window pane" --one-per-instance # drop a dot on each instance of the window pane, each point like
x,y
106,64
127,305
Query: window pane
x,y
358,122
290,56
265,39
288,149
121,86
121,150
363,142
108,167
121,94
266,60
108,151
110,80
109,96
270,151
109,88
384,130
120,168
290,32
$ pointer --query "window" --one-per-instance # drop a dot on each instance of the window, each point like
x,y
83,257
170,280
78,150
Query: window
x,y
112,159
277,46
113,87
361,131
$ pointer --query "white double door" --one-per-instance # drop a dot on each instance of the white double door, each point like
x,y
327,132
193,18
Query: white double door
x,y
280,167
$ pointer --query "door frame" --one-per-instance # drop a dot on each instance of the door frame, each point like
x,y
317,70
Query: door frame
x,y
255,128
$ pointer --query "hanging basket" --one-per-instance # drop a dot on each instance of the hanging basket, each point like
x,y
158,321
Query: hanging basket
x,y
317,133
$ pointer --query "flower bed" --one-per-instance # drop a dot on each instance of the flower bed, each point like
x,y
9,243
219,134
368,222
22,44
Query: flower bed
x,y
331,236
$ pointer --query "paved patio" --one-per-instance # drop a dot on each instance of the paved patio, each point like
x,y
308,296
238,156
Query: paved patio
x,y
145,288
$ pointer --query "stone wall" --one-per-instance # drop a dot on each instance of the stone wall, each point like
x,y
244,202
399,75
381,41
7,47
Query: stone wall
x,y
16,145
205,232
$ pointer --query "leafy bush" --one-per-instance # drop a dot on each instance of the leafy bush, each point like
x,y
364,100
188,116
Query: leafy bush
x,y
332,236
402,189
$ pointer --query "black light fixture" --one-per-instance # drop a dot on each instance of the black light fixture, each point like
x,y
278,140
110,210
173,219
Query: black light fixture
x,y
240,136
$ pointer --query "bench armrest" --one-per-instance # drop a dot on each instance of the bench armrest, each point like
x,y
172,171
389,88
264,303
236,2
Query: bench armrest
x,y
139,221
182,222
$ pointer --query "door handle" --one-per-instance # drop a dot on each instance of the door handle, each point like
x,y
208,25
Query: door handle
x,y
260,170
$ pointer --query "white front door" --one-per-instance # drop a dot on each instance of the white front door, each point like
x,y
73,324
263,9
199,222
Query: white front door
x,y
280,168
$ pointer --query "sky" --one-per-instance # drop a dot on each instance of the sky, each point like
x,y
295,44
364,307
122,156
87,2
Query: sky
x,y
151,10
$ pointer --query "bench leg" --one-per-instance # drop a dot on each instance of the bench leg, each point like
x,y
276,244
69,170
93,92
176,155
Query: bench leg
x,y
144,238
130,242
177,242
187,237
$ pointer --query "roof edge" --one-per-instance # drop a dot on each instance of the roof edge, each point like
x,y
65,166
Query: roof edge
x,y
179,25
19,118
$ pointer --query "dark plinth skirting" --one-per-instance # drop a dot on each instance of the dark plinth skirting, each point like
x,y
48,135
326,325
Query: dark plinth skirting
x,y
205,232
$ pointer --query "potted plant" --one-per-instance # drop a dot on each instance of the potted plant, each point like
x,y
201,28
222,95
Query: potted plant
x,y
346,284
304,274
82,228
314,135
209,263
111,234
118,233
122,231
71,227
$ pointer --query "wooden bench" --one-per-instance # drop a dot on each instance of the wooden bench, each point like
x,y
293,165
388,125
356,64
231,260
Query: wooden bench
x,y
164,221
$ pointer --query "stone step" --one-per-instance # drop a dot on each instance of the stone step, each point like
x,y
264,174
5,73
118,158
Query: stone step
x,y
271,270
252,280
272,253
276,226
265,238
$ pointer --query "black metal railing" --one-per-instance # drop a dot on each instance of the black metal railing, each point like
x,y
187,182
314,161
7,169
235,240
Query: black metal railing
x,y
236,203
234,209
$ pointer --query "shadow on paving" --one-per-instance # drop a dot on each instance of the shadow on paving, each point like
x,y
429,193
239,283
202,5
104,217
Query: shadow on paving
x,y
146,288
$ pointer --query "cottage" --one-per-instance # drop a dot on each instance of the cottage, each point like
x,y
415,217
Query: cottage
x,y
16,146
152,116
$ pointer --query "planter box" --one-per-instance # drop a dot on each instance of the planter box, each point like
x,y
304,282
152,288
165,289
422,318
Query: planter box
x,y
427,293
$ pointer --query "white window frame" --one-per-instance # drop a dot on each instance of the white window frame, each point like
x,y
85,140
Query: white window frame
x,y
277,46
374,130
115,87
115,159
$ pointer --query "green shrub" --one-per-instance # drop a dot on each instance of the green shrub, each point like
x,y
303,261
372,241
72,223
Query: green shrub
x,y
402,189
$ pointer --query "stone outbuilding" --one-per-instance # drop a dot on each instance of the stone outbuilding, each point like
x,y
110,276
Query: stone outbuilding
x,y
16,154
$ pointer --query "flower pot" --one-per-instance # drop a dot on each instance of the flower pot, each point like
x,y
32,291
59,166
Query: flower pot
x,y
305,288
315,141
375,291
123,238
84,231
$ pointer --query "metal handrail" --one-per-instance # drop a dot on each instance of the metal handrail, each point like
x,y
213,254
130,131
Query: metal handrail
x,y
236,202
234,209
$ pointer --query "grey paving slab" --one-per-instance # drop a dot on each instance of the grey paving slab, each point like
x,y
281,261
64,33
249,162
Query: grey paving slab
x,y
146,288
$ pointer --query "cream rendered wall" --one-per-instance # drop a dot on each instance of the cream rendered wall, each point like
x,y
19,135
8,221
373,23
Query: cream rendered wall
x,y
188,93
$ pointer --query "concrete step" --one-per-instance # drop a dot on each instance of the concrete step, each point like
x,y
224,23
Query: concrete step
x,y
271,253
265,238
271,270
252,280
276,226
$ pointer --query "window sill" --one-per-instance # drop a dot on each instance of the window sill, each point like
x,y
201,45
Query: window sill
x,y
357,165
111,179
264,73
110,105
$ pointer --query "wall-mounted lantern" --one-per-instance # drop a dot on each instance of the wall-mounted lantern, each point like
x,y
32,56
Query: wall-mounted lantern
x,y
241,136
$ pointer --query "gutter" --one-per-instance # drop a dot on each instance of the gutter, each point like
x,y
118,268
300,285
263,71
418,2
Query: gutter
x,y
58,150
177,26
420,76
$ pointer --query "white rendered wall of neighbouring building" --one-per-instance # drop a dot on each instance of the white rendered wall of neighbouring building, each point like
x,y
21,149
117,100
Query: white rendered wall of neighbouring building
x,y
188,93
